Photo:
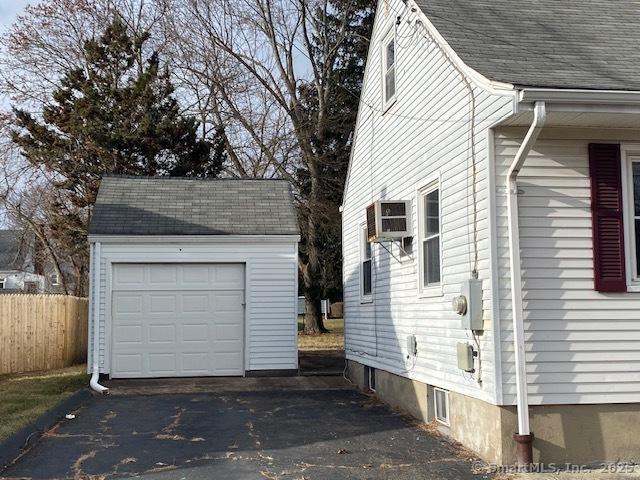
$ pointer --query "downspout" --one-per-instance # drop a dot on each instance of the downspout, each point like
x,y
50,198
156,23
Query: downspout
x,y
524,437
95,315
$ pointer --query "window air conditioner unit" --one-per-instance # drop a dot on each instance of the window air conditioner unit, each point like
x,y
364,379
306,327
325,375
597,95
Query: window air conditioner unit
x,y
388,220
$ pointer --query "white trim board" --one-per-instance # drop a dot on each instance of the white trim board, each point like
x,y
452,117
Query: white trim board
x,y
128,239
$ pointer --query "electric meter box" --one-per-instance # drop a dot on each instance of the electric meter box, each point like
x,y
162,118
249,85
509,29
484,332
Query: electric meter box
x,y
472,313
465,357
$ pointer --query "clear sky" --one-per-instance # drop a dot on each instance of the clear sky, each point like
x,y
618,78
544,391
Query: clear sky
x,y
9,9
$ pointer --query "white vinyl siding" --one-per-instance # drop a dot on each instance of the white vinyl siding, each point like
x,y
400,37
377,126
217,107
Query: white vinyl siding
x,y
394,155
581,345
271,292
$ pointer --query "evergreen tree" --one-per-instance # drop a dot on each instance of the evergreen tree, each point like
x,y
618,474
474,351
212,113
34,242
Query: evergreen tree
x,y
116,114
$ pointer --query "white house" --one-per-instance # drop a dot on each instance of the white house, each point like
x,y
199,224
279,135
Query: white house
x,y
504,136
18,272
193,278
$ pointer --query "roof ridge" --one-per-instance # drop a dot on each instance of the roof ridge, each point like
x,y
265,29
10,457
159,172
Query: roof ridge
x,y
158,177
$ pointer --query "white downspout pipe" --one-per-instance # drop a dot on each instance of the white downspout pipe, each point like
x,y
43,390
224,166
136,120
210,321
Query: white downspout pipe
x,y
524,437
95,315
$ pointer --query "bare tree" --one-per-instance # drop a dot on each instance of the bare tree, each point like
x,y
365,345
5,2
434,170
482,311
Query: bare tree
x,y
245,61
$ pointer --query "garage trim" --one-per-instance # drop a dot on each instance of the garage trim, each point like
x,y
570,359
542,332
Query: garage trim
x,y
165,259
109,304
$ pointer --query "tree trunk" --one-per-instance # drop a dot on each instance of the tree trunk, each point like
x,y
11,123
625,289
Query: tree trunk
x,y
313,322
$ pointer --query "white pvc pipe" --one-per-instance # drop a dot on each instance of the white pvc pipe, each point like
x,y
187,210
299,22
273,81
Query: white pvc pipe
x,y
95,314
539,119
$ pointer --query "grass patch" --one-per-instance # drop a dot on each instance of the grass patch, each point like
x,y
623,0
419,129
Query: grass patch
x,y
334,340
25,397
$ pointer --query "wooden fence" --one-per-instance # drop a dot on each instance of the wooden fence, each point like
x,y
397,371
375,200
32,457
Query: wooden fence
x,y
42,332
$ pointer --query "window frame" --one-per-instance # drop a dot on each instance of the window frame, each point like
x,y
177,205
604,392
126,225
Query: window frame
x,y
436,289
3,283
363,237
443,420
55,282
370,378
629,153
389,36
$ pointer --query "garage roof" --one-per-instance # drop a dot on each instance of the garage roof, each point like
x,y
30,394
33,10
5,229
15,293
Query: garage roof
x,y
592,44
181,206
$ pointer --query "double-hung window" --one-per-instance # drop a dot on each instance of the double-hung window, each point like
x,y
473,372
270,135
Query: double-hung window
x,y
365,264
389,68
630,160
429,225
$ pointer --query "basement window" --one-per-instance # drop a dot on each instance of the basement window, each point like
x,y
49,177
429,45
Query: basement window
x,y
370,379
442,405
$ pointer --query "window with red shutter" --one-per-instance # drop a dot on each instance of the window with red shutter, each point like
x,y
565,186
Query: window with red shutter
x,y
607,216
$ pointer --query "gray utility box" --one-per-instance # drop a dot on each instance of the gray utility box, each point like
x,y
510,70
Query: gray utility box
x,y
465,357
469,305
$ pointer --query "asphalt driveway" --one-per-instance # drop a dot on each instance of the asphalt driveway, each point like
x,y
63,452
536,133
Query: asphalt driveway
x,y
283,434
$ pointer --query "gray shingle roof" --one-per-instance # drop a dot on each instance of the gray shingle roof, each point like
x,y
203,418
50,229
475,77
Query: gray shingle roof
x,y
11,257
590,44
180,206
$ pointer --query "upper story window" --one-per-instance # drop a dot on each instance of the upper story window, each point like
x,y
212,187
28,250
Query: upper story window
x,y
55,279
365,264
429,233
3,282
389,68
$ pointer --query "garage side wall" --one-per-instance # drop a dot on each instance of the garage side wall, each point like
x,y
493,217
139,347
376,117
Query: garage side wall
x,y
271,270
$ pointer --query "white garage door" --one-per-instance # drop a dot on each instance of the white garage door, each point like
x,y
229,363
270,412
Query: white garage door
x,y
177,320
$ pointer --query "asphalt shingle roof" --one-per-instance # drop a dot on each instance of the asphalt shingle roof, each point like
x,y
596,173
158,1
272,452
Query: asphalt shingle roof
x,y
588,44
180,206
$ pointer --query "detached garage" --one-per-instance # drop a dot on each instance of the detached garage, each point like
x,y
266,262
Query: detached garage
x,y
193,278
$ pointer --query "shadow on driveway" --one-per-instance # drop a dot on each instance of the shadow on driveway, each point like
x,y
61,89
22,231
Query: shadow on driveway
x,y
315,434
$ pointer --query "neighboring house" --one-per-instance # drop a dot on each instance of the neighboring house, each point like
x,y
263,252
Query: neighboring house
x,y
511,129
193,278
17,266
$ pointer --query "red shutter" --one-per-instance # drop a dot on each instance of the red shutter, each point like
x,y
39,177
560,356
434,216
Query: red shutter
x,y
606,210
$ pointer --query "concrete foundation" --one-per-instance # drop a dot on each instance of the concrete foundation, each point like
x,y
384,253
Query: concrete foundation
x,y
576,434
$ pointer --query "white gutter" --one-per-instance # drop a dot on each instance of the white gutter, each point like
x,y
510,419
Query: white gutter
x,y
95,314
516,276
581,96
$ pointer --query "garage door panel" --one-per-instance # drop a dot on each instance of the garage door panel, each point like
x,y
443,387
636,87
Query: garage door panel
x,y
126,334
163,275
196,275
196,333
196,303
162,364
162,334
228,302
129,304
164,303
195,364
172,325
228,276
128,364
227,333
128,276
